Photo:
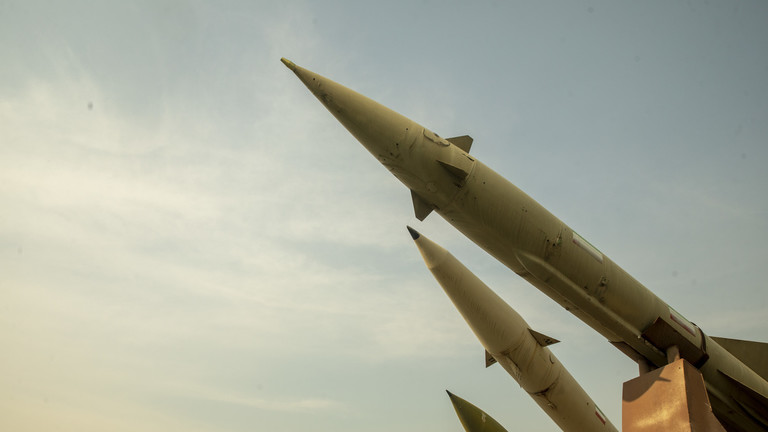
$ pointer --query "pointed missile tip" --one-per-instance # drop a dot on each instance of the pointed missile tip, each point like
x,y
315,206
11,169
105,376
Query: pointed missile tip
x,y
288,63
414,234
455,400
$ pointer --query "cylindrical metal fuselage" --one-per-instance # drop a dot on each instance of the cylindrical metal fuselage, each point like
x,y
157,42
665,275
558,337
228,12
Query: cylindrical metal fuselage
x,y
519,232
506,336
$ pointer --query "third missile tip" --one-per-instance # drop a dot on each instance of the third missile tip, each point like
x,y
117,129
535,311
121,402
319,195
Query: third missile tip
x,y
414,234
288,63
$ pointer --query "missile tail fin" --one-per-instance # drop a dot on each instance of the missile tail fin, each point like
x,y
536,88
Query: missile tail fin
x,y
752,354
421,208
463,142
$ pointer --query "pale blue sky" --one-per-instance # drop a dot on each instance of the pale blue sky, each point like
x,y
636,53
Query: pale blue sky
x,y
189,241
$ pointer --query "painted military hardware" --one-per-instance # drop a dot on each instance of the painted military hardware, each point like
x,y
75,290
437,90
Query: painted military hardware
x,y
508,340
500,218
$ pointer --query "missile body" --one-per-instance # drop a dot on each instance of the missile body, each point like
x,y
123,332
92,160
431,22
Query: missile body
x,y
523,235
507,337
472,418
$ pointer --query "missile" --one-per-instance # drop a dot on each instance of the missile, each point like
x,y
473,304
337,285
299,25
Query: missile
x,y
512,227
472,418
521,351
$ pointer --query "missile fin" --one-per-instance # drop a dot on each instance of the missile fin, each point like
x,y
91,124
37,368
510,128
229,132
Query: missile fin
x,y
543,339
489,360
458,163
752,354
455,171
463,142
753,402
421,208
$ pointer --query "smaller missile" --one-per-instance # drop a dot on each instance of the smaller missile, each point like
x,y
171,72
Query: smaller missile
x,y
473,418
508,339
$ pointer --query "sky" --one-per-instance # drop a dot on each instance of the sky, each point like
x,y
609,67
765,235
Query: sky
x,y
189,241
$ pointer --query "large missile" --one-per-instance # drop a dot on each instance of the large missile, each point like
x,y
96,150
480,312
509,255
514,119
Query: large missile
x,y
522,352
519,232
472,418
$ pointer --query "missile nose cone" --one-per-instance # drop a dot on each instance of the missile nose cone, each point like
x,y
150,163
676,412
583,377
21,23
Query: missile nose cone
x,y
472,418
452,397
309,78
414,234
288,63
379,129
432,253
